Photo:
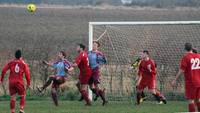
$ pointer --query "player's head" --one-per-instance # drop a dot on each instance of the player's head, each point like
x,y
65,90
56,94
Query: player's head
x,y
96,45
188,47
194,50
140,54
80,47
18,54
145,54
61,55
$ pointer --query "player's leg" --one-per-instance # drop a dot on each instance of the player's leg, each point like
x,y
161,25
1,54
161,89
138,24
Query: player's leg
x,y
48,82
198,104
198,99
22,103
94,87
55,86
139,90
101,93
78,85
143,96
22,93
12,103
190,95
191,105
158,96
13,93
54,93
84,93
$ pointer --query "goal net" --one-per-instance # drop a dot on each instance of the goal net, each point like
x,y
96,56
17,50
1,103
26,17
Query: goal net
x,y
122,41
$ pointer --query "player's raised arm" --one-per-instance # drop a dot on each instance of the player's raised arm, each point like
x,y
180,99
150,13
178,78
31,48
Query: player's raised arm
x,y
5,69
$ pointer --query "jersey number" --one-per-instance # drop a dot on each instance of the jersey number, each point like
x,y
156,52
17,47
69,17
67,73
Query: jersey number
x,y
16,68
195,63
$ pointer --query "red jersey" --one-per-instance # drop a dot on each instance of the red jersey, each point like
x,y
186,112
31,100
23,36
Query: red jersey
x,y
17,69
147,69
83,63
190,64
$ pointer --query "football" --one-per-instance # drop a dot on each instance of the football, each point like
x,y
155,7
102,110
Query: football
x,y
31,7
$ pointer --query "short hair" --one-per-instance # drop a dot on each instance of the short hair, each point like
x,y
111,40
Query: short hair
x,y
63,53
97,43
194,50
82,46
18,54
188,46
146,51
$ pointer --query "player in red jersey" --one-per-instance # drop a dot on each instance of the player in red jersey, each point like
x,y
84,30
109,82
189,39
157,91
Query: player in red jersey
x,y
190,66
85,72
17,69
147,78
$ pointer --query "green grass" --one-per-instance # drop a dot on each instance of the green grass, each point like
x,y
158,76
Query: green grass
x,y
112,107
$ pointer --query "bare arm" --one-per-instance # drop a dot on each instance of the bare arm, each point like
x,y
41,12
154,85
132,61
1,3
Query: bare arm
x,y
138,79
177,76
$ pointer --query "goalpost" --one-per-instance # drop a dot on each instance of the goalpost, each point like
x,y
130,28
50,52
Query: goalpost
x,y
122,41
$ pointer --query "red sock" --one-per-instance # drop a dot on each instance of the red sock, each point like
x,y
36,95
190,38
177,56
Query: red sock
x,y
191,107
12,104
22,102
84,94
198,106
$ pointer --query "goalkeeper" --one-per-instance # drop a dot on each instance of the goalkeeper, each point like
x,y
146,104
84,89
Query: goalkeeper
x,y
135,66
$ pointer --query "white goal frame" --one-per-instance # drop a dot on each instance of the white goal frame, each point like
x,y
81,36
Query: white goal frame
x,y
91,24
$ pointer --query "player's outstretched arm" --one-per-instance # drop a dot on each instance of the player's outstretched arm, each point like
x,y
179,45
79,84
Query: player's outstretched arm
x,y
177,76
5,69
47,63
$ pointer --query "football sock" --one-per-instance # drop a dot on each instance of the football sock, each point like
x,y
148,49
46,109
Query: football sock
x,y
198,106
12,104
55,98
138,97
84,94
191,107
22,102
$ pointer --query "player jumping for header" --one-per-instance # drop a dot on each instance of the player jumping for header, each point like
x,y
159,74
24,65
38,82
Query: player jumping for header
x,y
96,58
17,69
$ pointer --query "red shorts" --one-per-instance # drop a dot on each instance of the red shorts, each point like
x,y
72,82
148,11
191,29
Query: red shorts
x,y
17,89
192,92
84,78
58,80
151,84
95,77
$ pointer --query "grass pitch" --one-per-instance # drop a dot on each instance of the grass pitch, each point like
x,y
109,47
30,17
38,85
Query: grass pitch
x,y
111,107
